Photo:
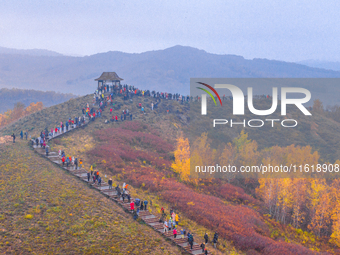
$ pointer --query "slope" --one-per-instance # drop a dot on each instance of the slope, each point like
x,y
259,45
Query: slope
x,y
96,143
45,210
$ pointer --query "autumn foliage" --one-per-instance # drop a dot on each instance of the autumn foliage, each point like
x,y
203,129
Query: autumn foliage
x,y
140,156
310,204
182,158
18,112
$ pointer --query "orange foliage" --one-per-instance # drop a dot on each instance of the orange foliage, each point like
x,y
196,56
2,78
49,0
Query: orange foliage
x,y
18,112
182,158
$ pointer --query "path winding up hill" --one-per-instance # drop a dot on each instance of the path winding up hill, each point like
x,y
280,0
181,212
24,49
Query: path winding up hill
x,y
146,216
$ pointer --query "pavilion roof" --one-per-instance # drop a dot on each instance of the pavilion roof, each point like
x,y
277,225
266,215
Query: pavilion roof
x,y
109,76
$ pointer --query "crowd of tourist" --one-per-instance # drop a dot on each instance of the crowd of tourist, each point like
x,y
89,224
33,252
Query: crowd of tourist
x,y
171,221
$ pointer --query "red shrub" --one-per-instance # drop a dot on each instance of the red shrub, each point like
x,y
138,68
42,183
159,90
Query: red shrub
x,y
283,248
125,148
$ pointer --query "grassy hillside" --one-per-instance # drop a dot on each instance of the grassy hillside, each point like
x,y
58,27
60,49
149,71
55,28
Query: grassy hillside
x,y
119,151
44,210
48,117
139,155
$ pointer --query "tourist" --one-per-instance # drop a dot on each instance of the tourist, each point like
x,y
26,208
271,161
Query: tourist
x,y
166,226
214,242
206,238
145,205
215,239
173,215
88,176
137,202
190,240
182,233
175,233
202,246
63,160
132,206
135,215
110,183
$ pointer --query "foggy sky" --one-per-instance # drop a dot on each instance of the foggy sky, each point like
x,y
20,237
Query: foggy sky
x,y
289,30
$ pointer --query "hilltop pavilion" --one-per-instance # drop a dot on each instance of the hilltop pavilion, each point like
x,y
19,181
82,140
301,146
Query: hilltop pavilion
x,y
107,77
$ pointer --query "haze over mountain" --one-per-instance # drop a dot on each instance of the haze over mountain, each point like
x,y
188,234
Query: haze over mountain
x,y
329,65
30,52
163,70
9,97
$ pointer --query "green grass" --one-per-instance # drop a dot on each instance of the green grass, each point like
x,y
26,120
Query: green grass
x,y
45,210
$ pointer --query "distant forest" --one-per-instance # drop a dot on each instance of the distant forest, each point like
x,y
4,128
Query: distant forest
x,y
9,97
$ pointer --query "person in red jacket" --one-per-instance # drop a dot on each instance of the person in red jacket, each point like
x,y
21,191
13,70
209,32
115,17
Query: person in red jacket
x,y
63,160
111,111
116,118
132,206
175,233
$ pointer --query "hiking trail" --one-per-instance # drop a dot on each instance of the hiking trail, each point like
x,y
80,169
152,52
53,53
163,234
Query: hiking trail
x,y
144,215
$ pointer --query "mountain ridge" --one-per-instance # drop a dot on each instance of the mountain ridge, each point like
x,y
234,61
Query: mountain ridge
x,y
163,70
31,52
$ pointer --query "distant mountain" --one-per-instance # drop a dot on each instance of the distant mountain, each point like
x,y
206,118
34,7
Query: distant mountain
x,y
31,52
329,65
9,97
163,70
